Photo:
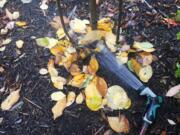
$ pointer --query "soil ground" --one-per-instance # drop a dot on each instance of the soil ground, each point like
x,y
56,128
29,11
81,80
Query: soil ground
x,y
138,23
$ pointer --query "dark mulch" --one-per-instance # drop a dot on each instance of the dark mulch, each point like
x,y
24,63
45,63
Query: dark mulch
x,y
139,22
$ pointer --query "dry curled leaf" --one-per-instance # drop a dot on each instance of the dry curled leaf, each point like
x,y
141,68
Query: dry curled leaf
x,y
122,57
58,108
93,65
21,23
119,124
70,98
10,100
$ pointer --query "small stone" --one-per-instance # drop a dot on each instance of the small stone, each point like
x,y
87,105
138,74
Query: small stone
x,y
1,69
4,31
43,71
19,44
15,15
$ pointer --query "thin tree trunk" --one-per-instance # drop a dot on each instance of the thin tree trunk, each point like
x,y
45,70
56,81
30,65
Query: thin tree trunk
x,y
93,14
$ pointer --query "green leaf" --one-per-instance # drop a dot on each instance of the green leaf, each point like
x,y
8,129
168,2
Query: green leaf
x,y
146,45
46,42
177,72
178,36
87,81
130,65
177,17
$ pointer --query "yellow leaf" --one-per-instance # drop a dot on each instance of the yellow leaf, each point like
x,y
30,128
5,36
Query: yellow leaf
x,y
83,53
10,100
70,98
145,46
56,96
105,24
60,48
58,108
117,98
135,66
119,124
122,57
51,69
79,26
79,98
93,66
145,73
74,70
21,23
60,33
58,82
93,97
92,36
78,80
110,39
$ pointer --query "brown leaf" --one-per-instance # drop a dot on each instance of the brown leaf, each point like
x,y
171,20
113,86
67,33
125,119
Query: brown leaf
x,y
10,100
56,23
74,70
119,124
93,66
101,86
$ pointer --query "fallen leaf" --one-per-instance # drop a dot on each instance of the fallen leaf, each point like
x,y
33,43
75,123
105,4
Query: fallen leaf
x,y
79,98
10,100
9,14
84,53
93,97
46,42
101,85
10,25
2,49
105,24
78,26
91,37
145,58
171,122
58,81
74,70
122,57
44,5
145,46
2,3
171,21
43,71
110,39
60,33
119,124
117,98
173,91
21,23
178,36
70,98
177,17
19,44
56,22
145,73
93,66
58,108
56,96
77,81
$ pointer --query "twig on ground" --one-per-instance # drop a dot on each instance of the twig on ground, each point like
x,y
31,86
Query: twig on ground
x,y
33,103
